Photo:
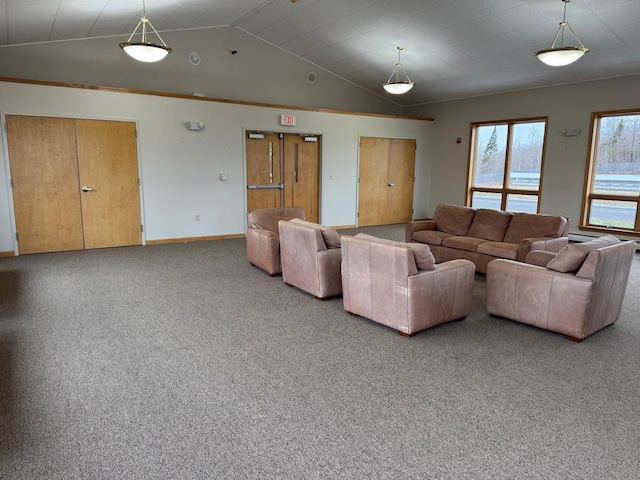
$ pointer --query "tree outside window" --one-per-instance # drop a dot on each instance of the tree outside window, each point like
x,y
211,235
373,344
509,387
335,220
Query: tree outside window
x,y
506,164
613,173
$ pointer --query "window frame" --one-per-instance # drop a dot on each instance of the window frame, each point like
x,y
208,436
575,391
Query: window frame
x,y
589,179
505,190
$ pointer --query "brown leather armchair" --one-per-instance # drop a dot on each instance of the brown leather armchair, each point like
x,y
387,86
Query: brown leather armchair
x,y
399,285
263,243
310,255
575,292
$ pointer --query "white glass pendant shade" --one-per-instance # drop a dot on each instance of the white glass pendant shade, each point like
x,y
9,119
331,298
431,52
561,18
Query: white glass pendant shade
x,y
145,52
398,88
559,57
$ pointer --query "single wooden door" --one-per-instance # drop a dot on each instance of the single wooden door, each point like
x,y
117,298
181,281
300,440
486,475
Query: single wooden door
x,y
46,192
263,171
386,179
110,190
301,177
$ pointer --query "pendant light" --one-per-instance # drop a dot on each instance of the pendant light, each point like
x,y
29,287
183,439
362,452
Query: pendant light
x,y
561,56
394,84
145,51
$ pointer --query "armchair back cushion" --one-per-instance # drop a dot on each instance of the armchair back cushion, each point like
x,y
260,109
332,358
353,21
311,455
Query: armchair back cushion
x,y
571,257
268,218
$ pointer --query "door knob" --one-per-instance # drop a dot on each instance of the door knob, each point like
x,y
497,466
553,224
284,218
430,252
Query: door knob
x,y
390,184
87,189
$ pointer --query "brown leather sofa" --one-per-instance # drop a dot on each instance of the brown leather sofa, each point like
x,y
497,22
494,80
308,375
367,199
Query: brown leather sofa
x,y
399,285
310,255
482,235
575,292
263,243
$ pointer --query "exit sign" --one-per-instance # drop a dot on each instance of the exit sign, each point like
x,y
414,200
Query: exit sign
x,y
287,119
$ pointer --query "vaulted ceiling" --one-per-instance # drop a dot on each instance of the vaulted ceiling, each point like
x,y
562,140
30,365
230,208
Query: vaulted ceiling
x,y
451,48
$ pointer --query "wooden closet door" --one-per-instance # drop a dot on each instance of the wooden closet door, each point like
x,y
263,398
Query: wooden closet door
x,y
386,179
108,167
46,192
302,174
401,177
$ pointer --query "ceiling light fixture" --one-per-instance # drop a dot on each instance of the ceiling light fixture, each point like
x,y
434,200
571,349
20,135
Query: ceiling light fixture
x,y
145,51
398,86
561,56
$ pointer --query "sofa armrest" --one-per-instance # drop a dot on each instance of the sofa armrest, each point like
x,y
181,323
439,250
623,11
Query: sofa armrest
x,y
416,226
547,244
540,257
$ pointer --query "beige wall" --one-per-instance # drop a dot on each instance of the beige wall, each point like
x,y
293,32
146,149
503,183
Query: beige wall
x,y
567,106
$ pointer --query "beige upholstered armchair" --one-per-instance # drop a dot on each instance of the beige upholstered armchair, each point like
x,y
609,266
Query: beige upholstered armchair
x,y
575,292
310,256
263,243
399,285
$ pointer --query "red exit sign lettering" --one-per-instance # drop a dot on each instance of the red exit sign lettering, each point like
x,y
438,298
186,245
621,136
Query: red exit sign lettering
x,y
287,119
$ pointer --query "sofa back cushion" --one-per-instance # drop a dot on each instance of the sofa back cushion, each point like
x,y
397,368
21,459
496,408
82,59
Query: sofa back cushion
x,y
330,236
454,219
421,252
268,218
490,224
532,225
571,257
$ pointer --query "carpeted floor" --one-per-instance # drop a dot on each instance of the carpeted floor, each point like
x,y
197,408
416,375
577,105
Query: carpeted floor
x,y
182,361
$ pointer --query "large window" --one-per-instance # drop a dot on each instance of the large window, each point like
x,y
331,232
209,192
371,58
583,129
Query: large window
x,y
612,191
505,166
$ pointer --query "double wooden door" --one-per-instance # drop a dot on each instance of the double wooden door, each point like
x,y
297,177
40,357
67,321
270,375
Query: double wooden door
x,y
386,179
283,170
75,183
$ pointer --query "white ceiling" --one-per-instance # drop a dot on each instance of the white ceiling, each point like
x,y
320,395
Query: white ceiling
x,y
452,48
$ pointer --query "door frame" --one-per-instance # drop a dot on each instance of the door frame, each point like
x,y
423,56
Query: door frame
x,y
7,165
360,137
246,130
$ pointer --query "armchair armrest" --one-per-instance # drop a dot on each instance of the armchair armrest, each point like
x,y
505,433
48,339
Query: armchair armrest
x,y
263,249
416,226
547,244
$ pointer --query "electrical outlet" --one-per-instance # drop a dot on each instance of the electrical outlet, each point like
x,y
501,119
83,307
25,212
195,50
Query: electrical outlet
x,y
197,218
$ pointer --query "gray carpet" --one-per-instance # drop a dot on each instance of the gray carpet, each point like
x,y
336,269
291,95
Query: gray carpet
x,y
182,361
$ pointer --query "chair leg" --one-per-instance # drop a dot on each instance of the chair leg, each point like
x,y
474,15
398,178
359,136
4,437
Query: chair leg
x,y
574,339
404,334
350,313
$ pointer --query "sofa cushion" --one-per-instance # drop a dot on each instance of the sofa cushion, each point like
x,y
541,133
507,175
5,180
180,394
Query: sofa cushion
x,y
533,225
432,237
469,244
330,235
499,250
490,224
454,219
421,252
571,257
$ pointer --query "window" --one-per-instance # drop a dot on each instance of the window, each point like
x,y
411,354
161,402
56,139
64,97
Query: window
x,y
506,165
612,190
